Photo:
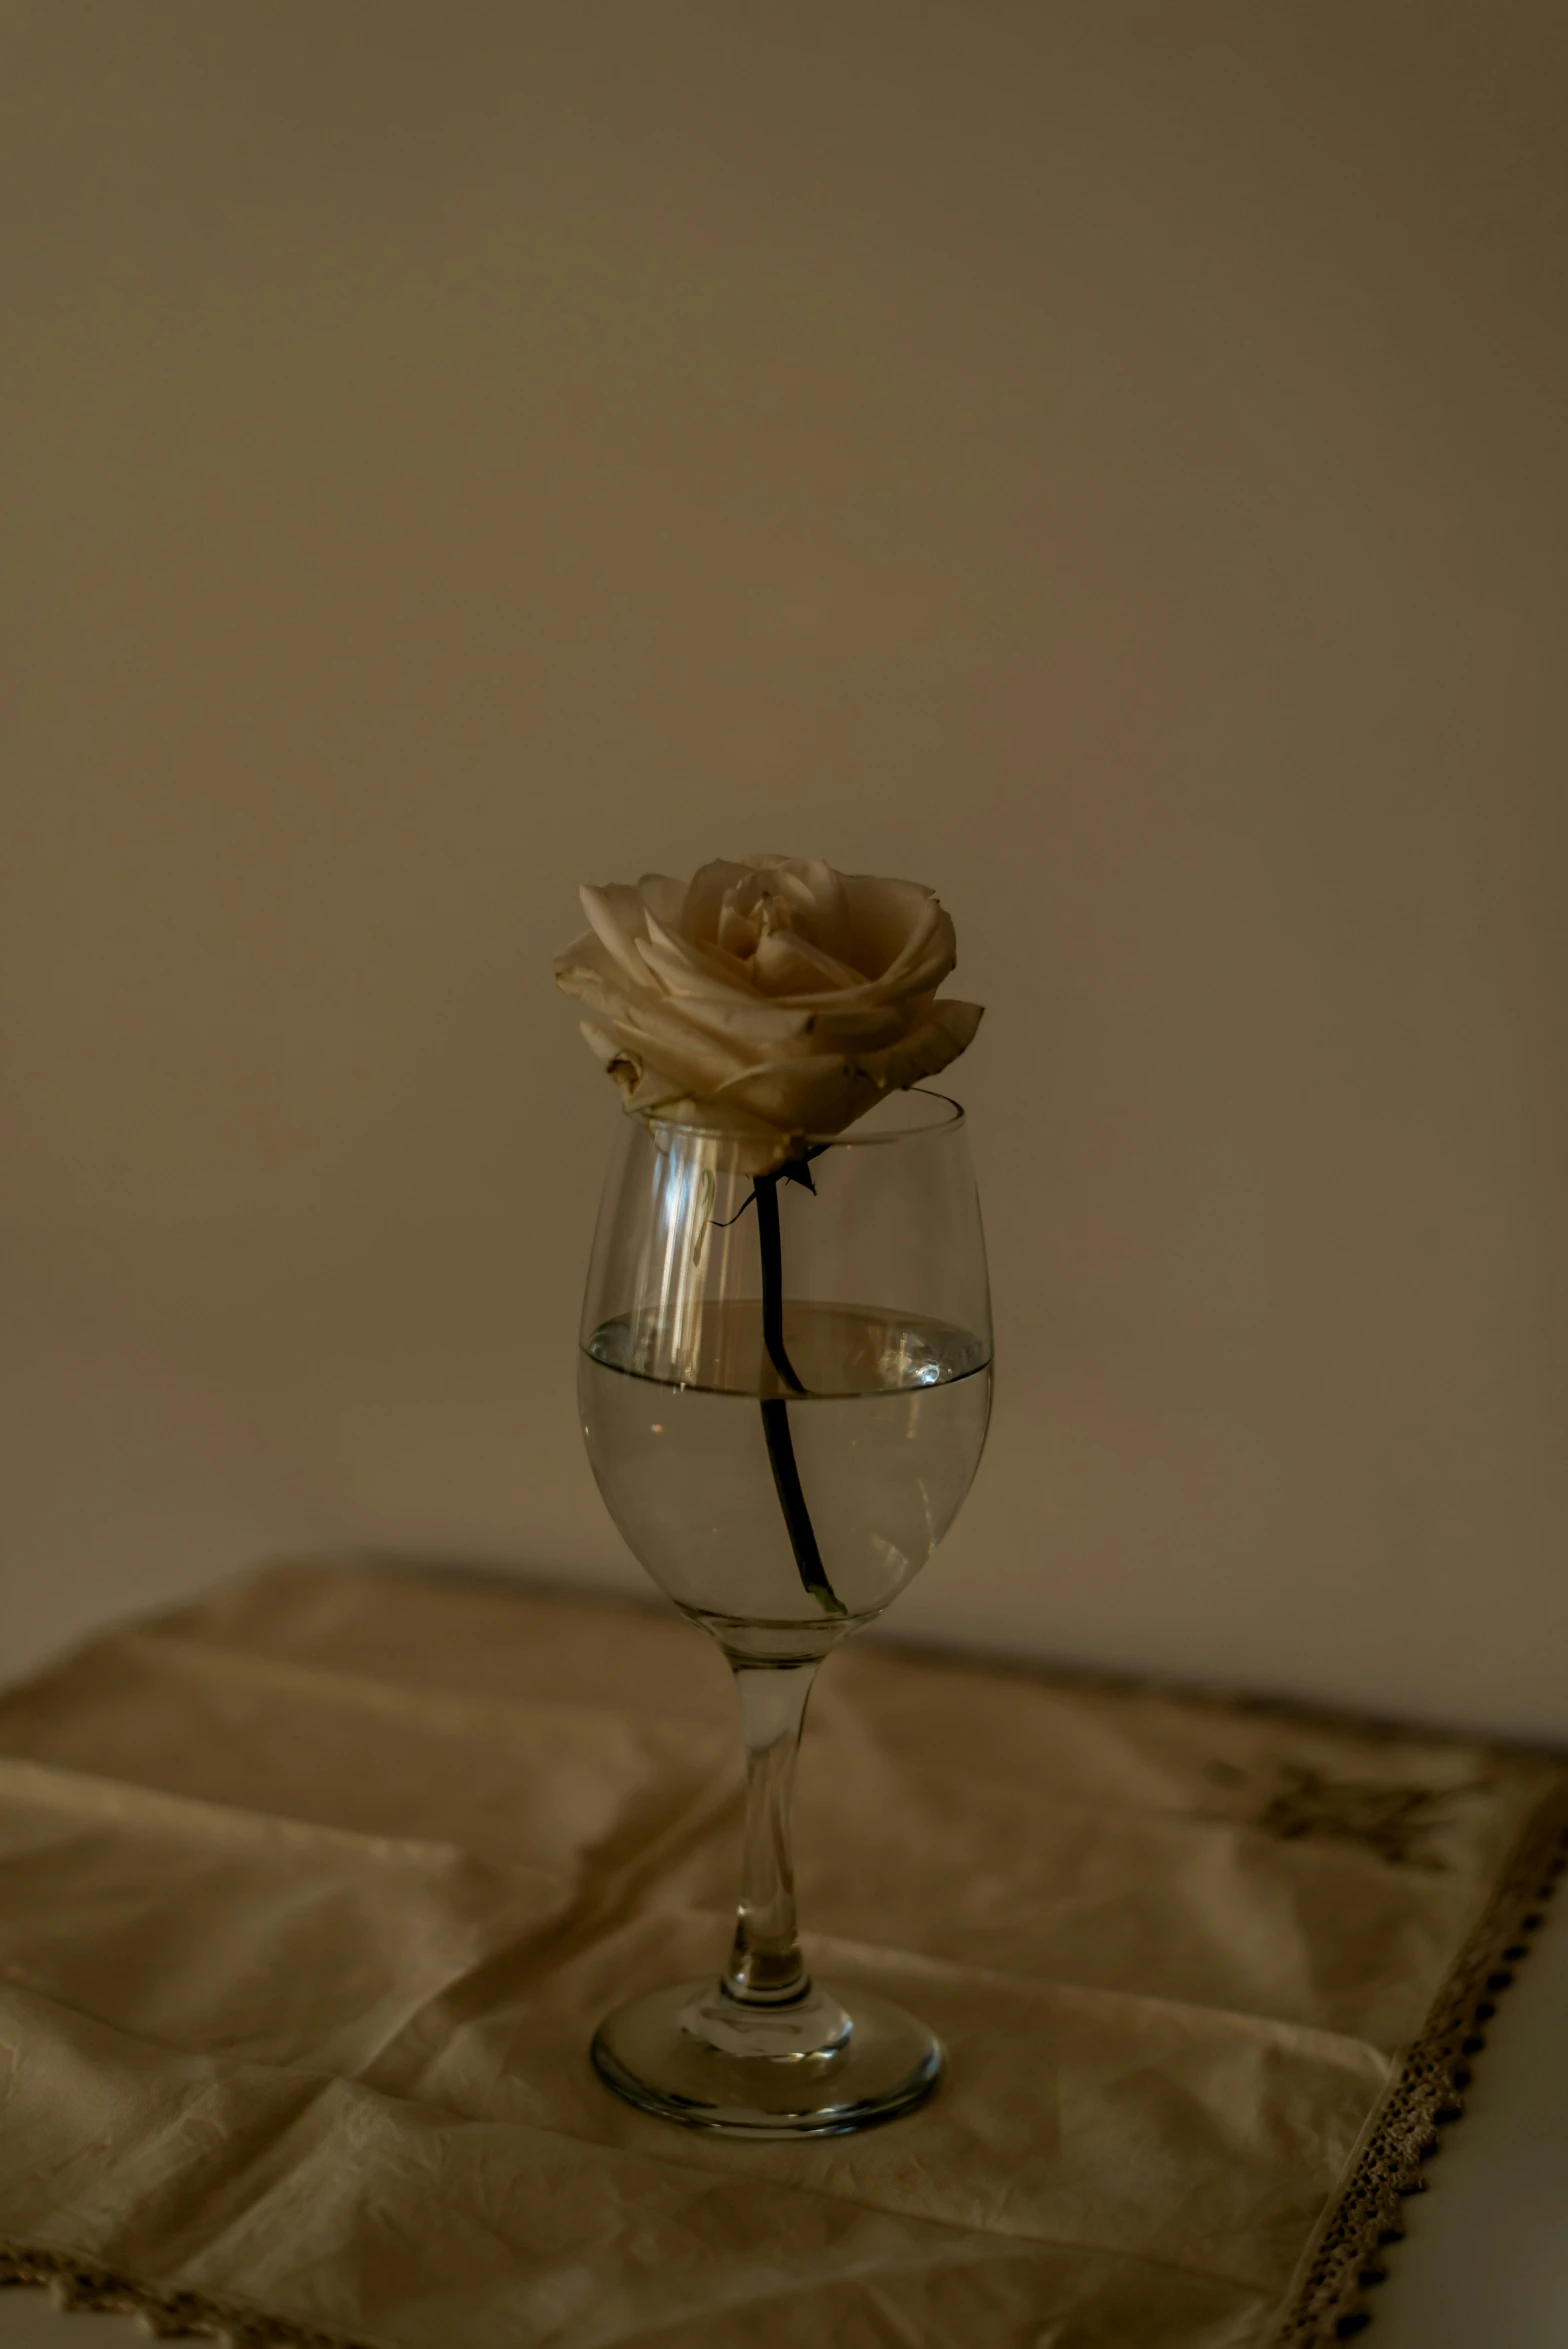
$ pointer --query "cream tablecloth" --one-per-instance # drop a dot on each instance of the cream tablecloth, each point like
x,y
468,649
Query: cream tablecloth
x,y
310,1895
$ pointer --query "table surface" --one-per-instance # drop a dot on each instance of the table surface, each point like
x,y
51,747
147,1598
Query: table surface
x,y
1487,2256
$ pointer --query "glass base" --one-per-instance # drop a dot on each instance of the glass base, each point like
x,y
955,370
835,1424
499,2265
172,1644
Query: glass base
x,y
807,2067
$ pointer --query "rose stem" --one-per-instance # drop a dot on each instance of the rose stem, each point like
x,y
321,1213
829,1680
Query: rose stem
x,y
775,1408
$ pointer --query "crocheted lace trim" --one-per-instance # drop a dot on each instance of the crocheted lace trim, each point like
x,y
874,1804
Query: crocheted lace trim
x,y
1345,2260
83,2284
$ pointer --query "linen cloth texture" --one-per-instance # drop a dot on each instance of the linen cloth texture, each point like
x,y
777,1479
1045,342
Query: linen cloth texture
x,y
312,1893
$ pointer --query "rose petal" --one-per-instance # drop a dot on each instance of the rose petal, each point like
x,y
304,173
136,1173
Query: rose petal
x,y
787,963
823,1093
750,1022
829,910
589,971
948,1032
738,932
643,1088
931,944
901,984
889,920
688,969
698,920
665,1039
616,916
819,1094
861,1028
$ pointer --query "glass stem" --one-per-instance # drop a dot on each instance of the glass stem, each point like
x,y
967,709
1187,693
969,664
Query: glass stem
x,y
766,1968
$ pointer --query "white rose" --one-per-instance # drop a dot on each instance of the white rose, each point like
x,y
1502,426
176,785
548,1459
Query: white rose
x,y
772,998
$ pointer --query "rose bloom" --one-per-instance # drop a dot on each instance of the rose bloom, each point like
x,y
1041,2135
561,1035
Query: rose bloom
x,y
775,998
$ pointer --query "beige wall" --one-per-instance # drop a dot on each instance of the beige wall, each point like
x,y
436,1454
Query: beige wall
x,y
1104,460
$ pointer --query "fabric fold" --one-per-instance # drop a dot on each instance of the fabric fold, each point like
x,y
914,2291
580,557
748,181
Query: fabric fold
x,y
311,1894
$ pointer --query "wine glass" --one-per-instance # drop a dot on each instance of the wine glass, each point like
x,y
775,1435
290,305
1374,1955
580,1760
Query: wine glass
x,y
785,1381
